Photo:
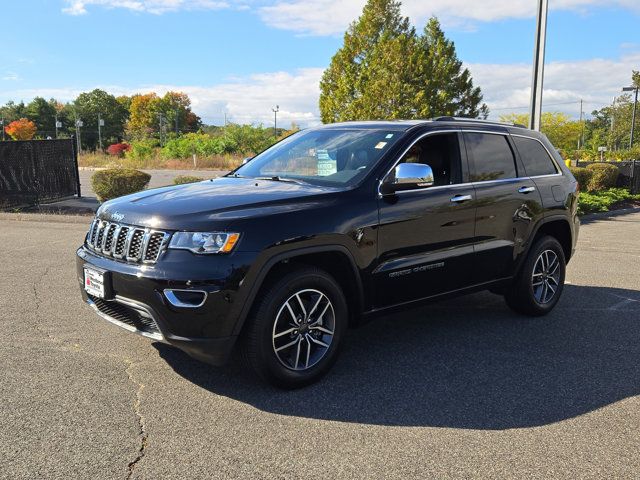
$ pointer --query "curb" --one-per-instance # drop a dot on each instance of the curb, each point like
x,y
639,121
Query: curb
x,y
612,213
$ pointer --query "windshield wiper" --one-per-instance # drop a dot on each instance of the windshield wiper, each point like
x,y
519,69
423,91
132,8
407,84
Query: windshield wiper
x,y
276,178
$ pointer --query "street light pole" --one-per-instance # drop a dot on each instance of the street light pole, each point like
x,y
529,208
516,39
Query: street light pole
x,y
100,124
635,107
79,123
535,112
275,120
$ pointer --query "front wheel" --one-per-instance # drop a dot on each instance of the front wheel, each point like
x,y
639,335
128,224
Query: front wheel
x,y
540,282
293,334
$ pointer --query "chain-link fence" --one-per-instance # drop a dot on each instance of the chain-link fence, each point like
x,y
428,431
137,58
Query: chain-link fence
x,y
37,171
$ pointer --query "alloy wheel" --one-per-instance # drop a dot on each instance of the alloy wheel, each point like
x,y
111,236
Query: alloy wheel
x,y
545,279
303,329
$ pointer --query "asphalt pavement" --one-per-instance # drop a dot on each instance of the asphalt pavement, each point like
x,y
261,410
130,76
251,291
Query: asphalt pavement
x,y
458,389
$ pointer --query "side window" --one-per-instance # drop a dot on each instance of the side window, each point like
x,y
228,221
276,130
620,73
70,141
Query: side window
x,y
442,153
492,157
535,157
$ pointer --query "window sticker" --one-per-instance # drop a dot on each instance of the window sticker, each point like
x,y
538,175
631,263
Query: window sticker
x,y
381,145
326,165
390,135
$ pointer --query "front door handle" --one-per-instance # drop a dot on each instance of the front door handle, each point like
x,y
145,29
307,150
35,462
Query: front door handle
x,y
526,189
460,198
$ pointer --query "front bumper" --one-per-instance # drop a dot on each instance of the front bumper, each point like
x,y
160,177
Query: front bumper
x,y
137,303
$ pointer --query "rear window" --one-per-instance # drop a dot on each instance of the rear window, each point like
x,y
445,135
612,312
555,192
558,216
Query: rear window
x,y
492,157
535,157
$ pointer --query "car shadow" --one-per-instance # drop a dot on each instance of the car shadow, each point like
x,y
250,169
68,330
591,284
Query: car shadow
x,y
464,363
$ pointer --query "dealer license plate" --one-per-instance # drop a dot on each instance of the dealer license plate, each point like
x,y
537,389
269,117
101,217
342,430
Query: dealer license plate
x,y
94,282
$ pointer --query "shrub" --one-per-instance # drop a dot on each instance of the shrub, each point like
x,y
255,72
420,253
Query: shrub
x,y
604,200
182,179
201,144
142,150
118,149
603,176
583,176
116,182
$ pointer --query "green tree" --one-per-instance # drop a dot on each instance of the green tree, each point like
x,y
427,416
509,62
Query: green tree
x,y
443,86
560,128
88,106
43,114
12,111
176,109
384,70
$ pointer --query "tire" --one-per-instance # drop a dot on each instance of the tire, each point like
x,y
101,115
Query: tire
x,y
286,341
539,284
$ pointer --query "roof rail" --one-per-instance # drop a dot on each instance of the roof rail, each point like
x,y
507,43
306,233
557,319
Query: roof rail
x,y
476,120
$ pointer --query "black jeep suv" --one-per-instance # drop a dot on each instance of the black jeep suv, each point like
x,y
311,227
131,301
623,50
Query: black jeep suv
x,y
327,228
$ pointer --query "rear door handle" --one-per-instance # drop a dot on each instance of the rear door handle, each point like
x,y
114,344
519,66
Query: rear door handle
x,y
526,189
460,198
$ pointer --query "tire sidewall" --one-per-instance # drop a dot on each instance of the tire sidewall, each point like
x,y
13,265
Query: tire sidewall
x,y
272,368
545,243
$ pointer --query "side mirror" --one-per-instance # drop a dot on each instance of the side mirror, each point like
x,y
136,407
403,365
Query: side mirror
x,y
408,176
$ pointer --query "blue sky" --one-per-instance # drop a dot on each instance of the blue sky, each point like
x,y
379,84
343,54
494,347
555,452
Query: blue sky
x,y
242,57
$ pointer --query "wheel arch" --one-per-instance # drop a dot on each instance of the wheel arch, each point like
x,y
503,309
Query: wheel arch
x,y
559,228
336,260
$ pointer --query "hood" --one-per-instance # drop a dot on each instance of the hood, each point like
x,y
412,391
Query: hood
x,y
210,204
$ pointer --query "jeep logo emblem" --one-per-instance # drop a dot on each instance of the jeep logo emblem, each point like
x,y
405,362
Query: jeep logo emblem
x,y
118,217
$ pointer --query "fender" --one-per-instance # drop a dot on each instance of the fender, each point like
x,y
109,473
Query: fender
x,y
247,301
534,233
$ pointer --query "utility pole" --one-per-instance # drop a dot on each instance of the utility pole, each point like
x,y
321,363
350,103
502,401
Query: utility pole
x,y
79,123
635,107
56,120
177,113
275,120
535,112
100,125
2,126
613,119
581,140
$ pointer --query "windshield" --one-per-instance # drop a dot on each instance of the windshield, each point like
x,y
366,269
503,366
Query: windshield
x,y
332,157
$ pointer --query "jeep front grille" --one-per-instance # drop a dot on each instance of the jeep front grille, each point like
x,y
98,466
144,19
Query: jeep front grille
x,y
126,242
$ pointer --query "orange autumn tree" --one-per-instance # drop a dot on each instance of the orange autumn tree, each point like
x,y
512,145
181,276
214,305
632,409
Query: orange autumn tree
x,y
22,129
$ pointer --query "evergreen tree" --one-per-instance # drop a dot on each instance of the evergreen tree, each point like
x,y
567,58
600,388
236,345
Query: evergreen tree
x,y
384,70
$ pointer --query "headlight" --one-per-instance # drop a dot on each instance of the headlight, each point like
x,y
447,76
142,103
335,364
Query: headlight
x,y
204,242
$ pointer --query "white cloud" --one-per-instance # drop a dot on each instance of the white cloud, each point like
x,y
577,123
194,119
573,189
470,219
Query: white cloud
x,y
331,17
79,7
11,76
506,89
244,100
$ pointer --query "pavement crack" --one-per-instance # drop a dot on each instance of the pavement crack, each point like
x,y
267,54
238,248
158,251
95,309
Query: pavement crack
x,y
142,432
38,304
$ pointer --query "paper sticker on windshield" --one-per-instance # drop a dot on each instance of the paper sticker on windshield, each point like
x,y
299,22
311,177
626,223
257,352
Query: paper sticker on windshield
x,y
381,145
390,135
326,165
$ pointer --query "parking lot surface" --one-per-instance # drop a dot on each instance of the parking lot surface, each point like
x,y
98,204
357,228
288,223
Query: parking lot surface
x,y
459,389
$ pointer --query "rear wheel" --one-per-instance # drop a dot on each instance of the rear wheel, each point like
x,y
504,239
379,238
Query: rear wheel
x,y
540,282
293,335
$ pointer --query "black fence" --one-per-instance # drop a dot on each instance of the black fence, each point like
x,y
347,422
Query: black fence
x,y
629,174
37,171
